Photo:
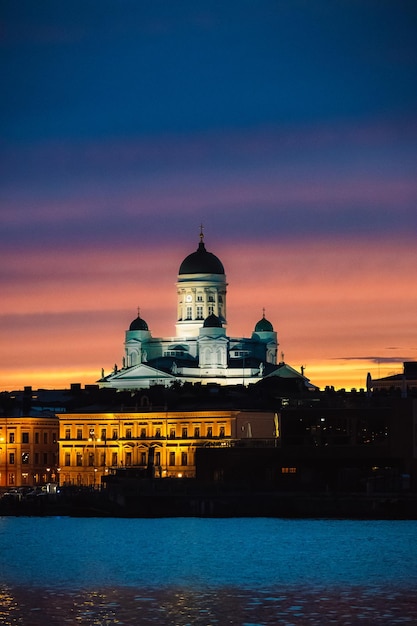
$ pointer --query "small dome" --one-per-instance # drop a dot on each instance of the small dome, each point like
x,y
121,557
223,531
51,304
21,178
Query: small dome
x,y
212,321
201,262
264,326
138,324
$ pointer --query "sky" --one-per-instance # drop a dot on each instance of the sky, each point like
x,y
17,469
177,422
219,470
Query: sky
x,y
287,128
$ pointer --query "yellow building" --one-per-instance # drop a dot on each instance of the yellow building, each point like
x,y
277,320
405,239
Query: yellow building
x,y
92,444
28,451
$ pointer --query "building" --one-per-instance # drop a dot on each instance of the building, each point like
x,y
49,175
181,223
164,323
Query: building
x,y
201,351
404,383
28,451
164,442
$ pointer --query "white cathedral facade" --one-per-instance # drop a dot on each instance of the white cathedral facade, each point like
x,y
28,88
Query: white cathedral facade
x,y
201,351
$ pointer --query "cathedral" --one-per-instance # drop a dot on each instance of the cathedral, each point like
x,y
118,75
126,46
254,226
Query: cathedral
x,y
201,351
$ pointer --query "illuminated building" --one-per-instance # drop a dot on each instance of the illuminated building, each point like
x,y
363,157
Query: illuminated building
x,y
92,444
201,351
28,451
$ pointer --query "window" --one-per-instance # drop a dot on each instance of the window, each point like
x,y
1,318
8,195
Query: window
x,y
104,434
11,437
68,433
36,437
11,479
45,458
211,298
172,458
199,312
67,459
45,437
189,313
128,460
197,431
221,431
11,458
79,433
184,458
158,433
79,460
143,458
114,458
143,433
288,470
91,459
25,458
114,435
128,433
36,458
172,433
209,431
199,298
157,458
25,437
53,437
103,459
184,432
210,309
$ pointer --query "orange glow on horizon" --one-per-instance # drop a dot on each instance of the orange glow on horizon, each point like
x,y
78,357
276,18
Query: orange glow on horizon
x,y
341,308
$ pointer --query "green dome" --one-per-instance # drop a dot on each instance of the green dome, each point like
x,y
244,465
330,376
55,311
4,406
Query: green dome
x,y
138,324
212,321
264,326
201,262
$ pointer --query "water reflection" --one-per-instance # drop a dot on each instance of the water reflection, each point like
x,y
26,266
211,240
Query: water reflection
x,y
182,607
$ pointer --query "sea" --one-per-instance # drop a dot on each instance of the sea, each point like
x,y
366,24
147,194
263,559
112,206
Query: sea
x,y
195,571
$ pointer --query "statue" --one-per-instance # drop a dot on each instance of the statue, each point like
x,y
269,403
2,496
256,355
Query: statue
x,y
102,372
261,369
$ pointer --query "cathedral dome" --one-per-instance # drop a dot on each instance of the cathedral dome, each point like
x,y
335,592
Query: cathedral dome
x,y
212,321
201,262
138,324
264,326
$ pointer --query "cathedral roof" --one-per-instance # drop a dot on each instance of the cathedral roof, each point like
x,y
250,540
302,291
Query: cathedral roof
x,y
212,321
201,262
138,324
264,325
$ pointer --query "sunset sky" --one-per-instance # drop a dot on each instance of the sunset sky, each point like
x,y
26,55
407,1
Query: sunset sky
x,y
288,128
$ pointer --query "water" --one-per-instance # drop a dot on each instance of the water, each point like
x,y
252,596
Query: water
x,y
59,570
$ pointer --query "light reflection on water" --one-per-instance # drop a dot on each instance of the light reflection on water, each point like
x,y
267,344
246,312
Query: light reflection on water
x,y
57,571
177,607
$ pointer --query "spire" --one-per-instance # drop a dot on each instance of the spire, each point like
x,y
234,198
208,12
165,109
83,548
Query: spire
x,y
201,246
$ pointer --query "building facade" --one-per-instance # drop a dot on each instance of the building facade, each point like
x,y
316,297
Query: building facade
x,y
28,451
91,445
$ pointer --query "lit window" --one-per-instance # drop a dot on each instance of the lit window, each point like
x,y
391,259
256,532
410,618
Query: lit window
x,y
288,470
25,458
